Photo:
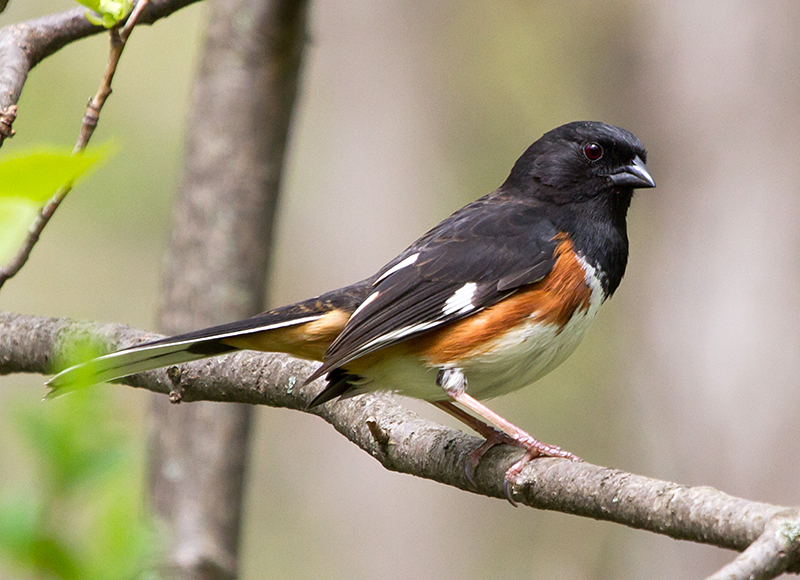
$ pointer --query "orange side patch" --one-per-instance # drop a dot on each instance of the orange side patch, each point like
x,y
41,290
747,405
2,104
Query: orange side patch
x,y
308,341
551,301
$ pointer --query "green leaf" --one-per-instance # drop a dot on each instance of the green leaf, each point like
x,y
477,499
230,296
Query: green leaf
x,y
16,215
107,12
72,447
37,174
28,179
128,538
18,526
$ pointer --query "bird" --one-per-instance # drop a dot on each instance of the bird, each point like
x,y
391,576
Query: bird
x,y
487,302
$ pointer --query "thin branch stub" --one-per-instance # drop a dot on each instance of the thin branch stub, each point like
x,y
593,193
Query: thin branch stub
x,y
7,118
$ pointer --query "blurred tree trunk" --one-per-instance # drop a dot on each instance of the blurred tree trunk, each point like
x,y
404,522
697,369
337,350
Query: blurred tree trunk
x,y
716,373
216,265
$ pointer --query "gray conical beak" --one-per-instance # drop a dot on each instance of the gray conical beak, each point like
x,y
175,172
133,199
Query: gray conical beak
x,y
634,175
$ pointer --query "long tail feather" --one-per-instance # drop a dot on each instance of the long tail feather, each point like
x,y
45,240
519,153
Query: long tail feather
x,y
304,329
165,352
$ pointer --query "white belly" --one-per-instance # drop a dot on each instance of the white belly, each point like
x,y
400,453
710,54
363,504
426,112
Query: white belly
x,y
516,360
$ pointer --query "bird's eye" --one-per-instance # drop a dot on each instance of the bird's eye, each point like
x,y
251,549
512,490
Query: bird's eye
x,y
592,151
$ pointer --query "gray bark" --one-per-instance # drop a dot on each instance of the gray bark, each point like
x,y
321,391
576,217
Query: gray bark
x,y
216,266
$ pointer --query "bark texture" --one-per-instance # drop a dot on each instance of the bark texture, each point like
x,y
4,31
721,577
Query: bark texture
x,y
216,266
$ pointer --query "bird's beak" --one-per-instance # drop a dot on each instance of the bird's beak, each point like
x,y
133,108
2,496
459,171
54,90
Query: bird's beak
x,y
634,175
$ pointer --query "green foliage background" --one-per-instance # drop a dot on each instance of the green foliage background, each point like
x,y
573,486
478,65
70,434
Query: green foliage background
x,y
79,515
28,179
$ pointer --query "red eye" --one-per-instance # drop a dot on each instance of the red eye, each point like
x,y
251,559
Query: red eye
x,y
593,151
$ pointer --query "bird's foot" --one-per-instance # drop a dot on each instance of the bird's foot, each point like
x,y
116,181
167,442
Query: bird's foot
x,y
533,449
493,438
509,434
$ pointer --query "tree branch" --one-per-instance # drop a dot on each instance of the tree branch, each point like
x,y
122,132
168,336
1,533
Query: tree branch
x,y
119,38
401,441
25,44
770,555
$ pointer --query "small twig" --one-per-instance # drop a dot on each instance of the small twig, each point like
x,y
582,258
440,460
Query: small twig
x,y
34,231
119,37
90,119
133,18
772,554
23,45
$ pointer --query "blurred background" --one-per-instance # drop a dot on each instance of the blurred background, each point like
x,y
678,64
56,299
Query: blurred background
x,y
407,111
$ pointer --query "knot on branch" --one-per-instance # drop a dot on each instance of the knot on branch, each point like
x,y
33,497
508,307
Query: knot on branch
x,y
378,433
784,531
92,115
174,376
7,118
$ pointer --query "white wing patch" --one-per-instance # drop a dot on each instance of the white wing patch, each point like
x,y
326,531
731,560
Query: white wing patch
x,y
399,266
369,299
399,333
461,301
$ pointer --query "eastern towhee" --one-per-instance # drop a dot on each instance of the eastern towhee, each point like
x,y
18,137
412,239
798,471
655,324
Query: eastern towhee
x,y
487,302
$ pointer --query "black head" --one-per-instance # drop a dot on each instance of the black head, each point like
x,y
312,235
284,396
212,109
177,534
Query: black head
x,y
580,161
582,176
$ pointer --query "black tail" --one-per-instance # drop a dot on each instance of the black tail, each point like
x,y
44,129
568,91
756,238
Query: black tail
x,y
207,342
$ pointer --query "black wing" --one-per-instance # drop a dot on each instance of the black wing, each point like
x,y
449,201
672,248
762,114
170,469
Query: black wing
x,y
473,259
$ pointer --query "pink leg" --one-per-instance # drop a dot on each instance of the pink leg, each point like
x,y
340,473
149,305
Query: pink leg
x,y
520,437
454,384
493,436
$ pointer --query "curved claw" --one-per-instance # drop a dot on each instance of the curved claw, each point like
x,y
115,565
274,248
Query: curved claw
x,y
508,434
532,453
469,468
508,489
494,438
